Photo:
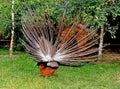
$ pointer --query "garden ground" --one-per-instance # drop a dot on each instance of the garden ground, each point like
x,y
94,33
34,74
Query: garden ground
x,y
20,72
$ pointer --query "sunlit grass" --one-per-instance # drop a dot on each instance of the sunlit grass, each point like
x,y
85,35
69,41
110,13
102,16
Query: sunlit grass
x,y
20,72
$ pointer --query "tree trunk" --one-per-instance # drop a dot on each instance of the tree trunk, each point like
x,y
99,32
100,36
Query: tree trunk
x,y
12,30
101,43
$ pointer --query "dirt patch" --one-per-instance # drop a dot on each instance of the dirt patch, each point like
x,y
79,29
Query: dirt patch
x,y
111,56
8,56
117,77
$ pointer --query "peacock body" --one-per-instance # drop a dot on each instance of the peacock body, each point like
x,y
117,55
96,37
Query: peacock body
x,y
53,45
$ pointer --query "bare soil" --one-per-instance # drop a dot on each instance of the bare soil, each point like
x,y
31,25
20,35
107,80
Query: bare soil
x,y
111,55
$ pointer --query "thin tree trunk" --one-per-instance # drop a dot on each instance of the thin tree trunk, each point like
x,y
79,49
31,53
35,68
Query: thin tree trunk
x,y
101,43
12,30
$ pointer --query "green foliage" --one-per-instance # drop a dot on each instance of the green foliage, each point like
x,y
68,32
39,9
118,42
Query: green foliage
x,y
5,10
94,13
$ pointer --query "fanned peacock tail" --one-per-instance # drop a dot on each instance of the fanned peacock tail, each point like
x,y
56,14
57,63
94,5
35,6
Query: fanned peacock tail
x,y
61,44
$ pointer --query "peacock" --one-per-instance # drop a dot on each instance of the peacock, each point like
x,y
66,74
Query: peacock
x,y
52,45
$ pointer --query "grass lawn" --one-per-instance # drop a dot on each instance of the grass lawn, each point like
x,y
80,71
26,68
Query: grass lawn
x,y
20,72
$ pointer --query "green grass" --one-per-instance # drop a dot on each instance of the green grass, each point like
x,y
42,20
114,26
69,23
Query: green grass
x,y
20,72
